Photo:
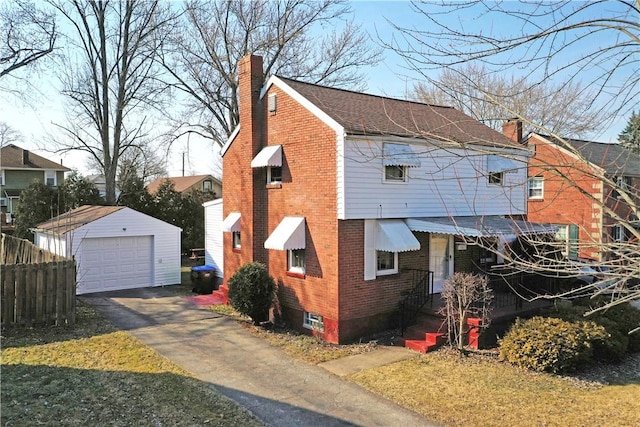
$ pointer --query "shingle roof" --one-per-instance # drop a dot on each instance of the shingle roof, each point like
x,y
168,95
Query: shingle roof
x,y
180,183
11,157
76,218
364,114
613,158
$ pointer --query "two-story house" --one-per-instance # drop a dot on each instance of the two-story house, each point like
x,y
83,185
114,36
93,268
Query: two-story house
x,y
571,186
346,196
206,184
18,169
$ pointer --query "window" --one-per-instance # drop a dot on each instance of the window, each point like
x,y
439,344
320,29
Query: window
x,y
235,237
274,175
495,178
387,263
50,178
296,262
536,187
207,186
395,173
618,233
623,183
568,235
2,177
313,321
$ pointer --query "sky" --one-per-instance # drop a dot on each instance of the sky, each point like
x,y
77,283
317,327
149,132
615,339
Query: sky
x,y
33,116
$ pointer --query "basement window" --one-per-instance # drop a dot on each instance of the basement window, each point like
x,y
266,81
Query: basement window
x,y
313,321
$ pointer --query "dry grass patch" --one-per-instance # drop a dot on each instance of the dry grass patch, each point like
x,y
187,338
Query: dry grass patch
x,y
302,347
95,375
479,390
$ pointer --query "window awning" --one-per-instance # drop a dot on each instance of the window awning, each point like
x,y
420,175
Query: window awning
x,y
268,156
399,155
288,235
393,235
501,164
478,226
231,223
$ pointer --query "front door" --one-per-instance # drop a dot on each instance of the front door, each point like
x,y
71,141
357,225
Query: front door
x,y
440,259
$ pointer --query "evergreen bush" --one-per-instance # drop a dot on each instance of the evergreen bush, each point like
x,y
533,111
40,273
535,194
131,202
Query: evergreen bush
x,y
252,291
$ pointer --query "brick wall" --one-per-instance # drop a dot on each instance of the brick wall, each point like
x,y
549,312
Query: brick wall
x,y
566,180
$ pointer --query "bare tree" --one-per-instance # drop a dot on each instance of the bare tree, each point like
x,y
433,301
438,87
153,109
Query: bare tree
x,y
297,39
493,97
28,34
591,47
8,134
110,78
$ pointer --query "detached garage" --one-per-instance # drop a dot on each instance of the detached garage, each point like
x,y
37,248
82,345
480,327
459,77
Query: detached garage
x,y
115,247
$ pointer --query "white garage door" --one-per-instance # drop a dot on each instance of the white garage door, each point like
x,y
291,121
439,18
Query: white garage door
x,y
109,264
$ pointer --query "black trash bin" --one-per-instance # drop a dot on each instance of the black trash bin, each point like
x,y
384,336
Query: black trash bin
x,y
204,279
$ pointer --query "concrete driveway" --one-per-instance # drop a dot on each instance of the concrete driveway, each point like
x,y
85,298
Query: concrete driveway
x,y
278,390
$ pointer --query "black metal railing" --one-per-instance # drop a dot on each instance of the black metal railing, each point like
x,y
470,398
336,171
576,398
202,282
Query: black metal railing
x,y
420,294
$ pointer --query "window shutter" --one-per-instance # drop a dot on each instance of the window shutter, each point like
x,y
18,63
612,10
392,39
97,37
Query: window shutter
x,y
370,249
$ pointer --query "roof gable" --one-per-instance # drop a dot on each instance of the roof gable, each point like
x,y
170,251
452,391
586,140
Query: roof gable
x,y
14,157
76,218
614,159
180,183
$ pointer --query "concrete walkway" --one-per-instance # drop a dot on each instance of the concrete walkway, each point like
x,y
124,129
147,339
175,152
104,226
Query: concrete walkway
x,y
278,390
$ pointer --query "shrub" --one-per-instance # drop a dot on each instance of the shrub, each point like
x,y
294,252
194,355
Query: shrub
x,y
618,321
252,290
550,344
624,318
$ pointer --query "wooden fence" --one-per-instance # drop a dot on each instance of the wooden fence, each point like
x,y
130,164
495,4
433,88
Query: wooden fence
x,y
37,288
39,294
20,251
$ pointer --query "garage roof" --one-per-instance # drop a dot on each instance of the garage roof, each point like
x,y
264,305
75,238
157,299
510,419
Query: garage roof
x,y
76,218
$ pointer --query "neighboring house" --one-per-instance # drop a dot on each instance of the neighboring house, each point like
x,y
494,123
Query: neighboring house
x,y
115,247
101,184
566,189
18,169
206,184
348,197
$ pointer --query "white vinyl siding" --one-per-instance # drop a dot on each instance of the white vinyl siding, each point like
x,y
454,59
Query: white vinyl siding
x,y
213,237
448,182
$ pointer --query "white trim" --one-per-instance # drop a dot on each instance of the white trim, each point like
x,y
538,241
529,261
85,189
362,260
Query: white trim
x,y
231,223
539,179
389,271
296,269
230,140
310,106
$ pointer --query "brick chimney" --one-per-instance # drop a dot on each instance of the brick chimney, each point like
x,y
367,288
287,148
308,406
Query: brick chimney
x,y
25,157
512,129
244,187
